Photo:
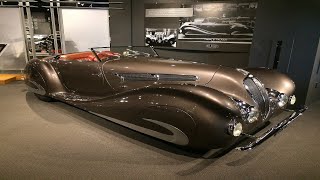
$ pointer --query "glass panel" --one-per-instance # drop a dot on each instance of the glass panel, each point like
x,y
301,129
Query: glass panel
x,y
84,28
13,56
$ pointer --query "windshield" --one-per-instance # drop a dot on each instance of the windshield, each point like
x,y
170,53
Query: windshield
x,y
104,53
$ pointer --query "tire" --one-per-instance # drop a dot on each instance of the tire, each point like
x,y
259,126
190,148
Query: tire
x,y
148,41
44,98
171,42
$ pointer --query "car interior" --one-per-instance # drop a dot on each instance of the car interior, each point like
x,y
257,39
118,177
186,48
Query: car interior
x,y
88,56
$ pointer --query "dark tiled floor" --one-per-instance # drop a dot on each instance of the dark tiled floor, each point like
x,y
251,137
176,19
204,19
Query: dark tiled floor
x,y
51,140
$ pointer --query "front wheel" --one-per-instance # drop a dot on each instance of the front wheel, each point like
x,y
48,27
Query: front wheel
x,y
44,98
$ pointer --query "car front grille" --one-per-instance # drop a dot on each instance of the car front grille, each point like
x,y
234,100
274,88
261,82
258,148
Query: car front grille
x,y
258,94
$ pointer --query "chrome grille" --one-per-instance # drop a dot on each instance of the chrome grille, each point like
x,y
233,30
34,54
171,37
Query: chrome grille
x,y
258,94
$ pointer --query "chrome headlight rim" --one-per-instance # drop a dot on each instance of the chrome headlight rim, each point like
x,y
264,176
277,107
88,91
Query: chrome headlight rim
x,y
235,128
250,114
280,99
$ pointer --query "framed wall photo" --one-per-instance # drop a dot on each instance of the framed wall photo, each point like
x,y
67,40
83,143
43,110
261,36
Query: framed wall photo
x,y
215,26
161,37
162,23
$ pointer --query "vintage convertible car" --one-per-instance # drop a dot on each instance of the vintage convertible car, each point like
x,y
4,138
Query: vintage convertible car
x,y
189,104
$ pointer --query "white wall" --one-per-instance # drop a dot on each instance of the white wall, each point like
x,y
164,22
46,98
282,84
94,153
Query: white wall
x,y
13,57
84,28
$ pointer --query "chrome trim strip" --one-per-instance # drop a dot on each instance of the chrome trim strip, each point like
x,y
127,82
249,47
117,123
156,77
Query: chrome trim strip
x,y
262,93
274,130
155,77
177,137
265,96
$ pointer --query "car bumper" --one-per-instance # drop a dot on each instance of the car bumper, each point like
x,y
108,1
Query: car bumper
x,y
274,130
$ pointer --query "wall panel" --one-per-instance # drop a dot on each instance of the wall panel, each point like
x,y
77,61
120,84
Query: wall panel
x,y
13,57
84,28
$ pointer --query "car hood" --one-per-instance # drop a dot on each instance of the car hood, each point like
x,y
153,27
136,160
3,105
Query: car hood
x,y
230,81
224,79
152,65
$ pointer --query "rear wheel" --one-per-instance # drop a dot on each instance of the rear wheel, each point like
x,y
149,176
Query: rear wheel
x,y
44,98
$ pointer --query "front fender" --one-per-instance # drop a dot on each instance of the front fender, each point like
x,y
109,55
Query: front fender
x,y
208,97
210,109
201,113
274,80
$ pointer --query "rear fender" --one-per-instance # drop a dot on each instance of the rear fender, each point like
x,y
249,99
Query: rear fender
x,y
41,75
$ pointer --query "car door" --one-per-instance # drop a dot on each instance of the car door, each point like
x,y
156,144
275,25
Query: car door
x,y
83,77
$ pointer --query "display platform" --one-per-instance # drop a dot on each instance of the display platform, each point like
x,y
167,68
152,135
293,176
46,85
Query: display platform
x,y
7,78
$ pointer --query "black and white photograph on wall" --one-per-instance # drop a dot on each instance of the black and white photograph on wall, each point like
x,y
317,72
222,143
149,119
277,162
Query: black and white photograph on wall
x,y
162,23
161,37
220,22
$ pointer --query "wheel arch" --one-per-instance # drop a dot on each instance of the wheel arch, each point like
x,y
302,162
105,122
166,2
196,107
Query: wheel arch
x,y
210,110
41,74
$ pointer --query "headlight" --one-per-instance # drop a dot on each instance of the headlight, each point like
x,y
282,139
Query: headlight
x,y
235,128
292,99
282,100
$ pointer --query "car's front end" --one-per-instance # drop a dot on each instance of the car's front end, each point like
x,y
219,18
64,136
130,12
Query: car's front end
x,y
260,95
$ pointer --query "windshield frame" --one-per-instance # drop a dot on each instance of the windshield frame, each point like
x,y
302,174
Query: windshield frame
x,y
129,50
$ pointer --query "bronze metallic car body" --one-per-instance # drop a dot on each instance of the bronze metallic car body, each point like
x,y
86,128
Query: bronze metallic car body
x,y
189,104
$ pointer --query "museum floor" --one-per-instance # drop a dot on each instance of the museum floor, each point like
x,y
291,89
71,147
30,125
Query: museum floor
x,y
54,140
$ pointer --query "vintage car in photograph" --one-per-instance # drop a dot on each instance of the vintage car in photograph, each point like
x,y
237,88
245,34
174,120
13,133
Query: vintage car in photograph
x,y
160,39
194,105
213,26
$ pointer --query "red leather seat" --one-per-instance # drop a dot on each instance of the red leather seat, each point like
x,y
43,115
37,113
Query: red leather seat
x,y
87,56
77,56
